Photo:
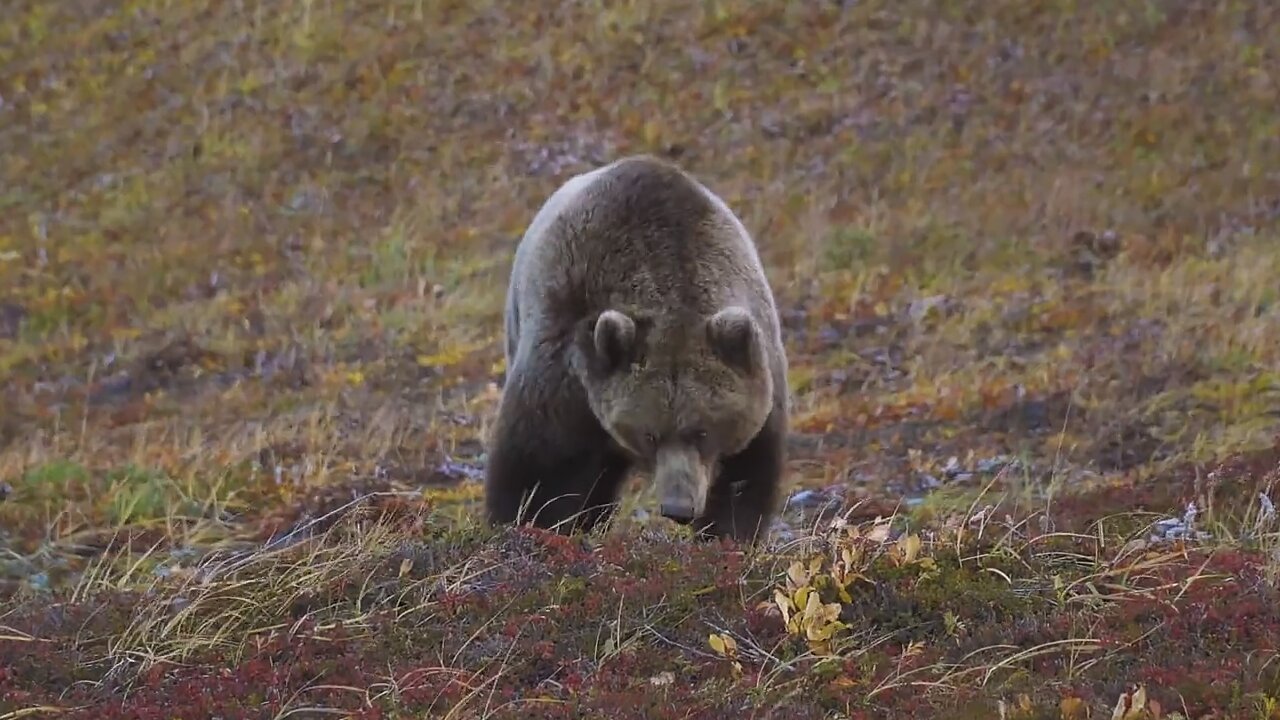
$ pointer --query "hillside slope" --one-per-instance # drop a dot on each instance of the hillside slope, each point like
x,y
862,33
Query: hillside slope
x,y
252,258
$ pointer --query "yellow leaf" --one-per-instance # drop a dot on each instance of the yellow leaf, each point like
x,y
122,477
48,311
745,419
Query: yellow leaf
x,y
818,614
652,132
910,547
784,604
810,602
1071,708
1130,706
1139,699
802,597
846,554
821,633
879,533
716,643
722,644
720,96
450,356
797,575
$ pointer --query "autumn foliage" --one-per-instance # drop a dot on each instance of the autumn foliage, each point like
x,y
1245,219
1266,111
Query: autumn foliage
x,y
252,258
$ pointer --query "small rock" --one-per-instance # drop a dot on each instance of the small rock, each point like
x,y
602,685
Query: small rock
x,y
1182,528
952,467
184,554
920,309
783,531
808,498
830,336
453,469
993,465
881,533
450,471
1268,507
1105,245
663,678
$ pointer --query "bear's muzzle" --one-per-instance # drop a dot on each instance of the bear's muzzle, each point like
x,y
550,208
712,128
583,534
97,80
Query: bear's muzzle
x,y
682,483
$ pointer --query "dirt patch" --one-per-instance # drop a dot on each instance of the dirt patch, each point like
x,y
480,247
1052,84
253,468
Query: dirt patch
x,y
1233,487
11,317
178,365
1031,415
1126,446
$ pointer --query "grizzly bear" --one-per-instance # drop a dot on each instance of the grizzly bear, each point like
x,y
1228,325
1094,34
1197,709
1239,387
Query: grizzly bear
x,y
640,333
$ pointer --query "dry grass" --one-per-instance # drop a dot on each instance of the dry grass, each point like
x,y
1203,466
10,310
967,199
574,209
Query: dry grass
x,y
252,258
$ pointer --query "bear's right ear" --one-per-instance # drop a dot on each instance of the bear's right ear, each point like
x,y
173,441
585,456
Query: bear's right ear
x,y
735,338
615,340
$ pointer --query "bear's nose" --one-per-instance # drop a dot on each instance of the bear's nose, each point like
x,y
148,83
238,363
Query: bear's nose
x,y
679,512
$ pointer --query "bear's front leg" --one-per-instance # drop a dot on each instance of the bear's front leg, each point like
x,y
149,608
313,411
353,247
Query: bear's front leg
x,y
550,462
744,495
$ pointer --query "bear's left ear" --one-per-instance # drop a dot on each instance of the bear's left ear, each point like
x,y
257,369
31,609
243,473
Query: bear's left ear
x,y
735,339
614,338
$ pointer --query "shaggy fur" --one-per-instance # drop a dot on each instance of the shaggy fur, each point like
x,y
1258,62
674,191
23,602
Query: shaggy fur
x,y
641,333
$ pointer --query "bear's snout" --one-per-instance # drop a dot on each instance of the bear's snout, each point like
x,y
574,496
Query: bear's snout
x,y
682,513
682,484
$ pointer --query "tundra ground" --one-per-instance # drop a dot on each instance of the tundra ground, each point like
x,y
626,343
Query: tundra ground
x,y
252,258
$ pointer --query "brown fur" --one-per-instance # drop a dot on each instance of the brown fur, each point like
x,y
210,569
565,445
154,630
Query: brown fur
x,y
640,333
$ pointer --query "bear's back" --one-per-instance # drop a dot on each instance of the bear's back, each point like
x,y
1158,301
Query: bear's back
x,y
640,236
641,232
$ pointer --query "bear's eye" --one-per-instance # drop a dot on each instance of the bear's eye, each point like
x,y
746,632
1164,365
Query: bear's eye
x,y
650,439
695,436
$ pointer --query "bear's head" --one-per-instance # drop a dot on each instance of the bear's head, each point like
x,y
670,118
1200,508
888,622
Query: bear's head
x,y
677,394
